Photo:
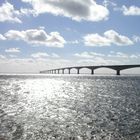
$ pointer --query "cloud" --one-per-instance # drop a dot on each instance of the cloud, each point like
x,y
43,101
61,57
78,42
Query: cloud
x,y
74,42
110,37
117,39
136,38
39,55
84,55
112,55
97,61
131,11
2,37
114,58
123,56
12,56
54,55
32,65
118,55
26,12
12,64
107,3
93,58
77,10
12,50
134,56
37,37
9,14
96,40
44,55
2,56
88,55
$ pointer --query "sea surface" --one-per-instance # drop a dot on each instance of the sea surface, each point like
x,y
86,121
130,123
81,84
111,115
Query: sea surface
x,y
45,107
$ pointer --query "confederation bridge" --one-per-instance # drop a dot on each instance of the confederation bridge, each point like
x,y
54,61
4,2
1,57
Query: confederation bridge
x,y
117,68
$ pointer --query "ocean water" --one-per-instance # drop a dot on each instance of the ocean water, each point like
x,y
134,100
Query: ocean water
x,y
45,107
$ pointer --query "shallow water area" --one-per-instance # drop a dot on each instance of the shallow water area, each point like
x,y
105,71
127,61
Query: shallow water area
x,y
41,107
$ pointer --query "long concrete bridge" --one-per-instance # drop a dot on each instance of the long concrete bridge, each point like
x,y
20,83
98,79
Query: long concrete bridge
x,y
117,68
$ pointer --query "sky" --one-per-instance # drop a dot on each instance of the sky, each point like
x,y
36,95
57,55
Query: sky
x,y
45,34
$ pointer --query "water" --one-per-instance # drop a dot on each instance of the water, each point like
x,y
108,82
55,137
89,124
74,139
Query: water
x,y
35,107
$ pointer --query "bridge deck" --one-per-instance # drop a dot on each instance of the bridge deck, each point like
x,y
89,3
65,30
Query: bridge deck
x,y
118,68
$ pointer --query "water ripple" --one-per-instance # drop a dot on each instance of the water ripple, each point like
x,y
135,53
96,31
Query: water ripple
x,y
69,108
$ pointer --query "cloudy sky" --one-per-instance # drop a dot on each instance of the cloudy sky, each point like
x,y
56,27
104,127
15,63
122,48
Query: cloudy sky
x,y
44,34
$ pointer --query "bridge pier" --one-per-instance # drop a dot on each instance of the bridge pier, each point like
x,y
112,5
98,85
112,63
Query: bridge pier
x,y
78,71
62,71
118,72
69,71
58,71
92,71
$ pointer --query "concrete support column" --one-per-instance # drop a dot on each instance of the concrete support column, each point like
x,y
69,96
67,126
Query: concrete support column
x,y
118,72
58,71
78,71
92,71
62,71
69,71
54,71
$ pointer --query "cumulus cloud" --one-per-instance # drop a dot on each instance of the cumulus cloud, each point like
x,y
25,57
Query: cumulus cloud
x,y
12,50
117,39
9,14
37,37
110,37
131,11
75,9
96,40
2,37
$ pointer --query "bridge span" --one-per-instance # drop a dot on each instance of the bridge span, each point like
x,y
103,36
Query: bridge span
x,y
117,68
